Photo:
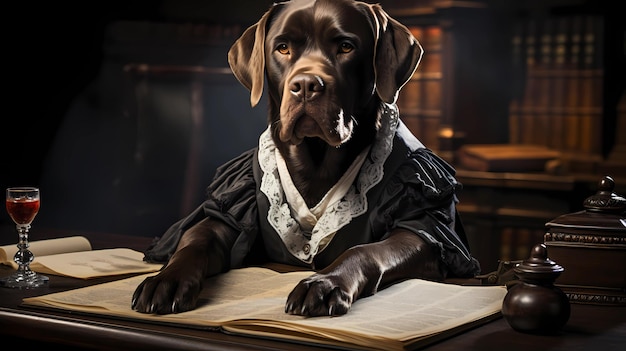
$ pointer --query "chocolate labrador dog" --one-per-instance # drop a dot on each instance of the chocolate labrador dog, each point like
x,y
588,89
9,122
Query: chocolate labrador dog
x,y
337,183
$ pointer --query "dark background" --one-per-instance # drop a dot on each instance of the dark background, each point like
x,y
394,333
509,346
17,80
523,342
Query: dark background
x,y
112,150
70,127
54,51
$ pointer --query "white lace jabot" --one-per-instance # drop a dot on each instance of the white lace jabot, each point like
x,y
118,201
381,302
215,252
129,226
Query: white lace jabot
x,y
312,229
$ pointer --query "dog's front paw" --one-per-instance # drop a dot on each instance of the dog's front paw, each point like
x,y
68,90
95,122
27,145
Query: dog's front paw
x,y
320,295
166,292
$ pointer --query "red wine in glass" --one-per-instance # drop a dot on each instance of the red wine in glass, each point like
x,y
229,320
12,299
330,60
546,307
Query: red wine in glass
x,y
22,204
23,210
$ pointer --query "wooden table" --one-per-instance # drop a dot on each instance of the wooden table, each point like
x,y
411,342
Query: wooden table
x,y
589,327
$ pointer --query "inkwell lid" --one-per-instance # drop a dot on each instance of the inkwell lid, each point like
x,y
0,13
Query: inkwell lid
x,y
604,211
538,267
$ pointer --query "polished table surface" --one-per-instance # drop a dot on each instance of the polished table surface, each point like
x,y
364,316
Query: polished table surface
x,y
590,327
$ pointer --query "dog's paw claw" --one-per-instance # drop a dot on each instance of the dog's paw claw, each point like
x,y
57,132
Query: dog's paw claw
x,y
289,307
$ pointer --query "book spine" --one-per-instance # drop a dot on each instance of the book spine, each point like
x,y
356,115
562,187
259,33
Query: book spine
x,y
572,93
544,77
506,243
561,105
516,243
530,97
421,98
517,67
557,104
432,86
521,242
591,87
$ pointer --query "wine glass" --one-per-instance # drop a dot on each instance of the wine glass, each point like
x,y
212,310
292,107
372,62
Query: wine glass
x,y
22,205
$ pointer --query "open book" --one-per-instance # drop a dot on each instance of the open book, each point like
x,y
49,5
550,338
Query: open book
x,y
73,257
250,301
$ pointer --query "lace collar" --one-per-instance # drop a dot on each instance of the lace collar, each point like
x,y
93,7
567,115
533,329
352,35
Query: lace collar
x,y
305,245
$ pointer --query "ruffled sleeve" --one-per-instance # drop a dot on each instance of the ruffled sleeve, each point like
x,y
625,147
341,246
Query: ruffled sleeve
x,y
231,197
421,197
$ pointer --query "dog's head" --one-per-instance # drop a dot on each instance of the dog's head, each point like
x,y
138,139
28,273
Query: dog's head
x,y
328,64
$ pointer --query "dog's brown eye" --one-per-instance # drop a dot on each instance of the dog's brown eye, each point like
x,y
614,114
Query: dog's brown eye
x,y
345,48
283,49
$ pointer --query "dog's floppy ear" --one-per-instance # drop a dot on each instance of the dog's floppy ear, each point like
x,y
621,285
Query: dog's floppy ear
x,y
247,57
396,56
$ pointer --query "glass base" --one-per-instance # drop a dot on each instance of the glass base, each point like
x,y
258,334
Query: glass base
x,y
24,280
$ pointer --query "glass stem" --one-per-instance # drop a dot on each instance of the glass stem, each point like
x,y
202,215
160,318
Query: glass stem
x,y
23,257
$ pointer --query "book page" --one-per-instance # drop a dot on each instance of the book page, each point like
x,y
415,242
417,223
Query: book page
x,y
251,301
393,318
410,310
94,263
41,248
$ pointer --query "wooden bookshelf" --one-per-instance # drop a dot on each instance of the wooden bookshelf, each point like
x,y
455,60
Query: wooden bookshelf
x,y
562,102
448,86
548,72
543,74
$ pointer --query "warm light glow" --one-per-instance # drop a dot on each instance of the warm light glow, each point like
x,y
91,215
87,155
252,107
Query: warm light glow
x,y
446,132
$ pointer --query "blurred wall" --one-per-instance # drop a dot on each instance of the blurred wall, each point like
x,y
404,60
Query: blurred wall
x,y
112,147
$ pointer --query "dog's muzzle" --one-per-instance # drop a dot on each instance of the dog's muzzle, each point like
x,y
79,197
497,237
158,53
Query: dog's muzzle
x,y
306,87
311,108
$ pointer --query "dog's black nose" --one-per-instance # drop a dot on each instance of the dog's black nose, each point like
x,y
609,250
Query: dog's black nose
x,y
306,87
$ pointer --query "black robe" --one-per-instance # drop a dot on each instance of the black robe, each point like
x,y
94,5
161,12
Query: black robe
x,y
417,193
